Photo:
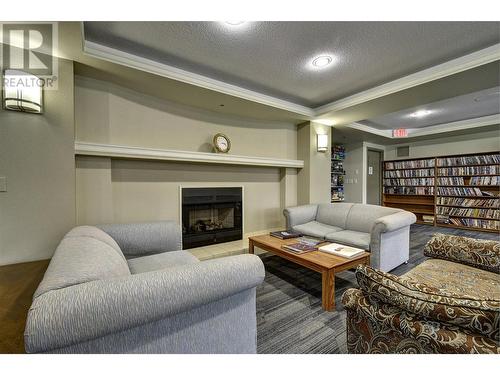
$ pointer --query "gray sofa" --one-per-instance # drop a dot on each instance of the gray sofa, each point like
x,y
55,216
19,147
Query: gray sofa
x,y
383,231
129,288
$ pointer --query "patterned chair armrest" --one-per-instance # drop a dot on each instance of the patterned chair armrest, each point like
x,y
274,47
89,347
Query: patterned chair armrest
x,y
483,254
377,327
471,313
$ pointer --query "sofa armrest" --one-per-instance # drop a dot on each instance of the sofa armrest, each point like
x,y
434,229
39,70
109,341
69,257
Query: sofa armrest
x,y
480,315
300,214
139,239
483,254
377,327
87,311
393,222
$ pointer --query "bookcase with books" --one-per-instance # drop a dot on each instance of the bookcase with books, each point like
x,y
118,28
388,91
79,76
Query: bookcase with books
x,y
458,191
467,191
337,173
409,185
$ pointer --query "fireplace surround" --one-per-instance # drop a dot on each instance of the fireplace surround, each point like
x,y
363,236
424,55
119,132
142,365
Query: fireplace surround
x,y
211,215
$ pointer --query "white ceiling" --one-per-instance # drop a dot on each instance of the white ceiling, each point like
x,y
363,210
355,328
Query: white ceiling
x,y
478,104
273,58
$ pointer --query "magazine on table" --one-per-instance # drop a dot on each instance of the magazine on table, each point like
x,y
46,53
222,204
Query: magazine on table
x,y
341,250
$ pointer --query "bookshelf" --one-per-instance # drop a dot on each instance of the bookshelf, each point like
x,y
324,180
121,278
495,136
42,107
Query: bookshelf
x,y
337,173
457,191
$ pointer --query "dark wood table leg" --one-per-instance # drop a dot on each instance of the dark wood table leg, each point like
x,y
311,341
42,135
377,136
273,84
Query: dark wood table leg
x,y
250,247
328,290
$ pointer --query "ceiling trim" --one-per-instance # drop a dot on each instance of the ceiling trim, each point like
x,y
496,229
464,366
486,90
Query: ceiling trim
x,y
450,67
133,61
456,125
435,129
472,60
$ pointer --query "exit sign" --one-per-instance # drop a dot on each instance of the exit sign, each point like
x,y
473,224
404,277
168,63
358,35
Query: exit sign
x,y
399,133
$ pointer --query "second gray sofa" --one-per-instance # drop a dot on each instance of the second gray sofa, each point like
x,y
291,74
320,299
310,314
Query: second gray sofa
x,y
383,231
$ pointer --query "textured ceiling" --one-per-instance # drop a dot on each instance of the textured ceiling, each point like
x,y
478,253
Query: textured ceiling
x,y
477,104
274,57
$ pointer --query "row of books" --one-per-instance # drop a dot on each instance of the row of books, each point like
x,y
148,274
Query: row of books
x,y
418,190
409,182
469,160
422,163
456,171
468,202
450,181
462,191
337,180
476,223
485,180
409,173
338,152
487,213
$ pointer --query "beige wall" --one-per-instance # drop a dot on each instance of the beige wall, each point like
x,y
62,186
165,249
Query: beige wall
x,y
314,179
126,190
483,141
36,157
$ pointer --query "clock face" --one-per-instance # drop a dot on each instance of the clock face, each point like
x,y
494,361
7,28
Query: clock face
x,y
221,143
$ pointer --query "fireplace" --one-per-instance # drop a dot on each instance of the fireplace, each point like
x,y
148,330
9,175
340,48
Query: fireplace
x,y
211,215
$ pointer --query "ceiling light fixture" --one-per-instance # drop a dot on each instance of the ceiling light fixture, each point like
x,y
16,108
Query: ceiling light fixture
x,y
421,113
322,61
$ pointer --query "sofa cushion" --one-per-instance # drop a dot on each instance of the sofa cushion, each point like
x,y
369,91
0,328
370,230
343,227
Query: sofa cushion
x,y
160,261
315,229
351,238
481,315
79,260
361,217
444,274
333,214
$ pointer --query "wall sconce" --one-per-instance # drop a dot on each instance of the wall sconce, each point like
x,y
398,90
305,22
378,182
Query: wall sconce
x,y
322,142
22,92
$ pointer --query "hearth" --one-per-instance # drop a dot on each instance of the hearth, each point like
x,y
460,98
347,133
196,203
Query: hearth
x,y
211,215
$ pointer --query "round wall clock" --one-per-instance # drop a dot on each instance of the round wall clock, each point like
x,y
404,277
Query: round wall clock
x,y
221,143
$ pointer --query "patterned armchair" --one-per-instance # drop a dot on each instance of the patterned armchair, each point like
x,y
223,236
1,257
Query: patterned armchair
x,y
449,304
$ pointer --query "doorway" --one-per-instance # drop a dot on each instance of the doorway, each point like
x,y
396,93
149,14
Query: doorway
x,y
374,177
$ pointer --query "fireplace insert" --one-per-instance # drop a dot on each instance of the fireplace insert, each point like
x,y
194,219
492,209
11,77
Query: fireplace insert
x,y
211,215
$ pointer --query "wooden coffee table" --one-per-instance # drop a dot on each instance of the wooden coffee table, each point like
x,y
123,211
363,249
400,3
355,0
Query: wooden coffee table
x,y
326,264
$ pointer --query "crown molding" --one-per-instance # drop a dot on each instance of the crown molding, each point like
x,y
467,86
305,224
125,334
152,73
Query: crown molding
x,y
131,152
450,67
150,66
369,129
456,125
472,60
435,129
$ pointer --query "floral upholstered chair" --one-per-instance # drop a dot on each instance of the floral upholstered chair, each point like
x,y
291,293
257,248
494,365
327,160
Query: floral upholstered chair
x,y
449,304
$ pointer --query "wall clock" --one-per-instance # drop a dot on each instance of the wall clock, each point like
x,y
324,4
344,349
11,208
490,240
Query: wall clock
x,y
221,143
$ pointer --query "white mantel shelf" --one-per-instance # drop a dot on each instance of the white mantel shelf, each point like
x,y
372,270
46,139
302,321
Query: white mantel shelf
x,y
130,152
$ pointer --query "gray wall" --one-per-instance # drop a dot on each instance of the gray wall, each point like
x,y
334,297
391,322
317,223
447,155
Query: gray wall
x,y
314,182
36,156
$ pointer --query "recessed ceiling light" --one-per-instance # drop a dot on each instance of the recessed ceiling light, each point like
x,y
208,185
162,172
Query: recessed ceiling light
x,y
421,113
322,61
235,23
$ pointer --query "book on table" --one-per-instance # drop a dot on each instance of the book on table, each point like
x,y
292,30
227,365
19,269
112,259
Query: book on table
x,y
341,250
284,235
300,247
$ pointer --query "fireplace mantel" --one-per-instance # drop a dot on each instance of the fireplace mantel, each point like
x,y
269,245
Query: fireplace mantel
x,y
131,152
